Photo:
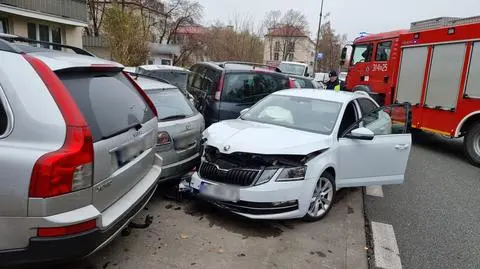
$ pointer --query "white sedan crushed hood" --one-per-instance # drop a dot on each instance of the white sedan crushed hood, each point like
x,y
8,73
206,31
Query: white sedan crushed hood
x,y
245,136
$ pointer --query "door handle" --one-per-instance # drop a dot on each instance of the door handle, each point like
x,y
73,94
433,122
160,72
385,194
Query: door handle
x,y
401,146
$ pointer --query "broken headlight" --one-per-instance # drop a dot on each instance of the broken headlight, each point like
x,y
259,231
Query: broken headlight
x,y
266,175
292,174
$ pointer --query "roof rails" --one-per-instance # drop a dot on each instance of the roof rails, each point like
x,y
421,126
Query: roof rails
x,y
223,64
14,38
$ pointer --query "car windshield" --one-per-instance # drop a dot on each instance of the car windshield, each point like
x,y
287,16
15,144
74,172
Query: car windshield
x,y
306,114
171,104
294,69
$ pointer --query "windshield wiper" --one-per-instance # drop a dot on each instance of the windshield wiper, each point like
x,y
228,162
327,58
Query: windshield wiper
x,y
137,127
174,117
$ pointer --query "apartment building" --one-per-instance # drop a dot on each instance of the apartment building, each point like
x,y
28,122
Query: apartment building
x,y
46,20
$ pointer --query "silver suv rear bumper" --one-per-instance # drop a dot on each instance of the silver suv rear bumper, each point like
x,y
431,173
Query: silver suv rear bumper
x,y
109,224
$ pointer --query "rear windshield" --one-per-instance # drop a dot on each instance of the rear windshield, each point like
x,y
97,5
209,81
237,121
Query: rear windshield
x,y
251,87
171,104
178,79
109,102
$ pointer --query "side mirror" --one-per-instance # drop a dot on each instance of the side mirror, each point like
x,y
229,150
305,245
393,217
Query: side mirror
x,y
244,111
361,134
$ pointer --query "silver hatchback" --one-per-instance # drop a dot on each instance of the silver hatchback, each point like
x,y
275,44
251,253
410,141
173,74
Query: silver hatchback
x,y
77,152
180,127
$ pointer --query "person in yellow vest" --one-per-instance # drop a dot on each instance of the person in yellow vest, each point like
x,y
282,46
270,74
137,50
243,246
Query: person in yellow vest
x,y
334,83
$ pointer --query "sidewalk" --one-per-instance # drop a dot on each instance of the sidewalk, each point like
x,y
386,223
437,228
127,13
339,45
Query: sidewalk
x,y
190,234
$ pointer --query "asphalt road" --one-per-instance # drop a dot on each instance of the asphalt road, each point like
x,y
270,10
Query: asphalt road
x,y
435,214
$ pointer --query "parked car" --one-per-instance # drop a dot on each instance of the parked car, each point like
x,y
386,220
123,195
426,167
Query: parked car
x,y
288,155
321,77
342,76
77,152
305,82
294,68
180,128
175,75
222,90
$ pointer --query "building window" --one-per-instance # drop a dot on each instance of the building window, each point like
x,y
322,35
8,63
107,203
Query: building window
x,y
276,56
291,47
46,33
4,25
277,45
166,62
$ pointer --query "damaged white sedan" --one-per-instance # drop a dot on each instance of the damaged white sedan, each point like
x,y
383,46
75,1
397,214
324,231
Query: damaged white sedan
x,y
287,155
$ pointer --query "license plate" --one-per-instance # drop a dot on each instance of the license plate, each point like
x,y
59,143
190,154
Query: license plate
x,y
129,153
219,192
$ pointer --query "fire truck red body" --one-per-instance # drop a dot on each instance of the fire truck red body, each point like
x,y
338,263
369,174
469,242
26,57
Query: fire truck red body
x,y
435,68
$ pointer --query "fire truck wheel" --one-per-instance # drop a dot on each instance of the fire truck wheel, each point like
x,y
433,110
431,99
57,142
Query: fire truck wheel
x,y
472,144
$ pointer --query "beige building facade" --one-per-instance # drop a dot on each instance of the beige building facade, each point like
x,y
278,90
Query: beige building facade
x,y
288,44
51,21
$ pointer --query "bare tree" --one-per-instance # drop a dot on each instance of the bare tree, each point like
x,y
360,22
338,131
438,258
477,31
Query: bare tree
x,y
95,10
330,45
271,22
292,26
235,42
178,13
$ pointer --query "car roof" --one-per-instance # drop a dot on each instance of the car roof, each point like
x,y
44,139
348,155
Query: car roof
x,y
297,63
151,67
152,84
328,95
58,60
237,67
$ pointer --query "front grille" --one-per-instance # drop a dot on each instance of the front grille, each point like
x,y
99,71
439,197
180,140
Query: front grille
x,y
236,176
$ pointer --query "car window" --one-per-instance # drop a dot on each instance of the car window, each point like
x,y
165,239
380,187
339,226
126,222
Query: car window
x,y
362,53
349,117
210,81
306,114
251,87
383,51
171,103
191,77
108,101
386,120
366,105
3,118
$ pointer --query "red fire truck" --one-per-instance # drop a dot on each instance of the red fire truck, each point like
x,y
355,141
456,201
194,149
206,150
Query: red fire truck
x,y
435,66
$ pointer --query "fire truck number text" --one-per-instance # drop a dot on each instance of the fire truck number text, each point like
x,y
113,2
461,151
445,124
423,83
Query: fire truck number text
x,y
380,67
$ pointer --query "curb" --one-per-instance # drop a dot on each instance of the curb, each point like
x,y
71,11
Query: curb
x,y
355,254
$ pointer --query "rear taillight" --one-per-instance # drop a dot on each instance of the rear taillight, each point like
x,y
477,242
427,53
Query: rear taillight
x,y
142,93
291,83
71,167
218,93
67,230
163,139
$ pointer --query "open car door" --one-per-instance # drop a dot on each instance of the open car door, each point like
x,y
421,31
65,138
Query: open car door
x,y
375,149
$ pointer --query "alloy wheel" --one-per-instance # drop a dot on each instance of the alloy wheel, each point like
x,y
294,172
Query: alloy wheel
x,y
322,198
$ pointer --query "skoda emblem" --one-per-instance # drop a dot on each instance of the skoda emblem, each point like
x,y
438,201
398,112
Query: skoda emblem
x,y
226,148
188,126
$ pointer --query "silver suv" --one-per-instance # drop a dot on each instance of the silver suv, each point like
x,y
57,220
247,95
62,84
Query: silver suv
x,y
77,152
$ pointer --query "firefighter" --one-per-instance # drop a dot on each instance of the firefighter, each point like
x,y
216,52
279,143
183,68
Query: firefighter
x,y
334,83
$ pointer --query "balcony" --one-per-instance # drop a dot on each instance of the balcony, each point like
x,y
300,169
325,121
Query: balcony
x,y
71,9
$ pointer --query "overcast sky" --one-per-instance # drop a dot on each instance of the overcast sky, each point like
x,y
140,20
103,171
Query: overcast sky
x,y
347,16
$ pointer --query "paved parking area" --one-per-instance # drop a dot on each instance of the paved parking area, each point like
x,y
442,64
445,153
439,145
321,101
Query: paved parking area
x,y
194,234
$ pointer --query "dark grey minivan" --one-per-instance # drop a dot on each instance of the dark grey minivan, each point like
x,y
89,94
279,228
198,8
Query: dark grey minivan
x,y
222,90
